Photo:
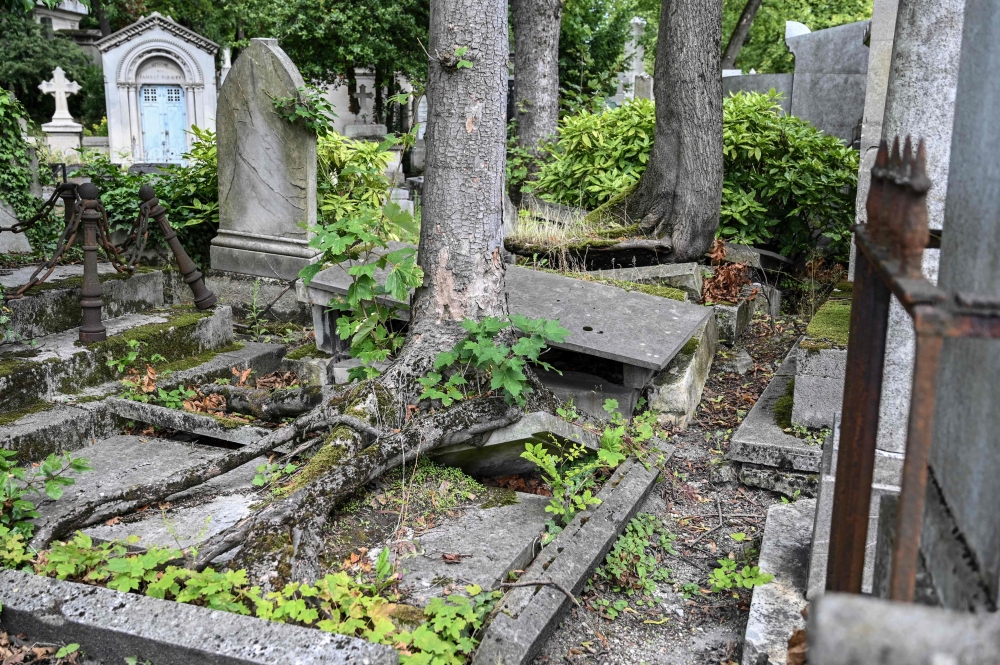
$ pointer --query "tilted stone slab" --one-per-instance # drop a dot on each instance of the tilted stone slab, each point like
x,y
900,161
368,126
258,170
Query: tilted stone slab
x,y
604,321
687,277
775,610
500,453
492,542
759,440
819,385
111,626
528,615
185,421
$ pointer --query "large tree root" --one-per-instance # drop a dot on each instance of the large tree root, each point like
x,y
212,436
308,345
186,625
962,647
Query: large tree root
x,y
266,404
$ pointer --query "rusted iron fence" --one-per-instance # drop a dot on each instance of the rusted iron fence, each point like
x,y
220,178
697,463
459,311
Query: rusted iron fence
x,y
85,213
890,253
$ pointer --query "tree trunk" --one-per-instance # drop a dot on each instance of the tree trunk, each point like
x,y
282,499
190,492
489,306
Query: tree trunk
x,y
536,69
680,194
740,33
102,18
461,234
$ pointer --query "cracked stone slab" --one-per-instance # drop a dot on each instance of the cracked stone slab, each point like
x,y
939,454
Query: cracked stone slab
x,y
111,625
500,453
527,616
185,421
498,540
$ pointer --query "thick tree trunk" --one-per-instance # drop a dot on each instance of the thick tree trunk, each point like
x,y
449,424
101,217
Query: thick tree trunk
x,y
536,69
680,194
740,33
102,18
461,234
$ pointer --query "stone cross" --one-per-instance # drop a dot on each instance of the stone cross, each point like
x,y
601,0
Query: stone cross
x,y
60,88
363,96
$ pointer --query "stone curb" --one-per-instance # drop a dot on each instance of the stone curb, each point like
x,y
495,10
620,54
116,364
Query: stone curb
x,y
529,615
185,421
110,626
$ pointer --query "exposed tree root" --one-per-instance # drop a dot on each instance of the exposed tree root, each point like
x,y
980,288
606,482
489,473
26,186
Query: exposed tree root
x,y
265,404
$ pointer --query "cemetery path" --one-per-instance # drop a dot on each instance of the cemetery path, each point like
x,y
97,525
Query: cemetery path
x,y
712,515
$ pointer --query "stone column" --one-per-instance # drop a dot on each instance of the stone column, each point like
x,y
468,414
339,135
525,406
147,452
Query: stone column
x,y
267,170
920,101
961,537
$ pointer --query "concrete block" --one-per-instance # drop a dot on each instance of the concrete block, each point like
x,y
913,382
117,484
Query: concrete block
x,y
819,385
732,320
498,539
500,453
775,610
845,629
676,391
787,483
110,626
781,83
528,615
59,429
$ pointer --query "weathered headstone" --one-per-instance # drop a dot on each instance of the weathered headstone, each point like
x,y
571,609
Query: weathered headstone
x,y
11,243
267,169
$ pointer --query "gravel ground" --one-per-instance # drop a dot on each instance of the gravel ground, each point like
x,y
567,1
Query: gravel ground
x,y
700,502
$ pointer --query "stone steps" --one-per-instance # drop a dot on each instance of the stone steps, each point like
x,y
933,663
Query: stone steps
x,y
59,364
54,306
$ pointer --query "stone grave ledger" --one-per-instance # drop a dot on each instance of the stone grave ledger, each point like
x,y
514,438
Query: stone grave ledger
x,y
267,170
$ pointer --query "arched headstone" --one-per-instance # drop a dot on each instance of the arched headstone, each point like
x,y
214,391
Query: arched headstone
x,y
267,169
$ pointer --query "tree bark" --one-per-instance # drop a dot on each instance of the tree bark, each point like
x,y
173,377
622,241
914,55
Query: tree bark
x,y
680,194
102,18
536,69
740,33
461,234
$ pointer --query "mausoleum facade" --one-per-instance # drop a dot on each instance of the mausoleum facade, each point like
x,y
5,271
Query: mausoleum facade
x,y
159,81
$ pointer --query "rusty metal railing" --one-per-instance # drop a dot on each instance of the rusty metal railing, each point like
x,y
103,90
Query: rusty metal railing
x,y
890,253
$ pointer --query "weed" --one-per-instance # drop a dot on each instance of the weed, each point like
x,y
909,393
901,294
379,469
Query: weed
x,y
634,564
729,576
16,482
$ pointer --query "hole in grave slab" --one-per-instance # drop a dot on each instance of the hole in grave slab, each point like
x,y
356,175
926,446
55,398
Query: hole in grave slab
x,y
574,361
588,328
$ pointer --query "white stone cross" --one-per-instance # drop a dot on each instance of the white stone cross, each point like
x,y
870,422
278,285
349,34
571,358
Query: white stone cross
x,y
60,88
362,96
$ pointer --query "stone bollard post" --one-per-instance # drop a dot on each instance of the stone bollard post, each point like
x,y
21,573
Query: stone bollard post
x,y
203,297
92,329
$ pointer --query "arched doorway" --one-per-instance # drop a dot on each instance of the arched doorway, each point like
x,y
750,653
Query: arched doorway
x,y
162,111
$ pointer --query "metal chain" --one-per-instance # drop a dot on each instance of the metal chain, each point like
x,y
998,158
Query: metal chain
x,y
46,208
65,240
135,244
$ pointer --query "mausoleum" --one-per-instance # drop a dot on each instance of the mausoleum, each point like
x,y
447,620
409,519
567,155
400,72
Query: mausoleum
x,y
159,80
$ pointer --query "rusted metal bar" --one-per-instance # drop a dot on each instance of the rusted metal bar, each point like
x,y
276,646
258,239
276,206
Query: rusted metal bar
x,y
859,429
203,297
919,434
92,329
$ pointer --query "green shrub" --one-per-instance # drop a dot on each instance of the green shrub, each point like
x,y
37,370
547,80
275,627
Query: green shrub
x,y
15,177
786,183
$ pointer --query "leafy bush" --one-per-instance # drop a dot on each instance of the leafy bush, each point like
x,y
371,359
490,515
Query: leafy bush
x,y
15,177
634,564
597,155
787,185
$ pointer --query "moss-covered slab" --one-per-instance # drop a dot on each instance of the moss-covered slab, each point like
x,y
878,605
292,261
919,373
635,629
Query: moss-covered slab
x,y
59,363
830,326
199,424
54,306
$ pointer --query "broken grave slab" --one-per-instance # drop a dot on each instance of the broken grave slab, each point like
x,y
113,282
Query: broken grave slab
x,y
491,542
124,461
500,454
198,424
634,328
759,259
675,392
589,391
775,610
687,277
761,441
528,615
111,626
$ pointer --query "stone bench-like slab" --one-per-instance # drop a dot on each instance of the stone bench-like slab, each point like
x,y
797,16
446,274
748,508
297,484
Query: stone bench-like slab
x,y
641,331
199,424
110,626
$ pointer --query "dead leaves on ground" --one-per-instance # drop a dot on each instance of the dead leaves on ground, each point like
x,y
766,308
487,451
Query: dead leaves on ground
x,y
276,380
454,557
16,649
729,280
519,483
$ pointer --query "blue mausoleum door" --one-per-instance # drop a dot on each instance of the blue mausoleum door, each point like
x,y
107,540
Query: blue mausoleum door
x,y
164,119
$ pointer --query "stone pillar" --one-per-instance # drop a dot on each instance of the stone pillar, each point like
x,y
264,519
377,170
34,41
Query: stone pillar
x,y
961,538
920,101
267,170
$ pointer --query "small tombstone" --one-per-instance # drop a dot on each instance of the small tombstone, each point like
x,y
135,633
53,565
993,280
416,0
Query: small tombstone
x,y
267,169
11,243
63,132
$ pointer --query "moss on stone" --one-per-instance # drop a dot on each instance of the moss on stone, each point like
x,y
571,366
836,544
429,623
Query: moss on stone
x,y
330,455
648,289
227,423
34,406
194,361
691,346
831,323
783,407
307,351
500,498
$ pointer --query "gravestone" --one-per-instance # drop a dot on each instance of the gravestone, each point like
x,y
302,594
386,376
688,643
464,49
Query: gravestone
x,y
159,82
11,243
267,170
62,132
828,87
